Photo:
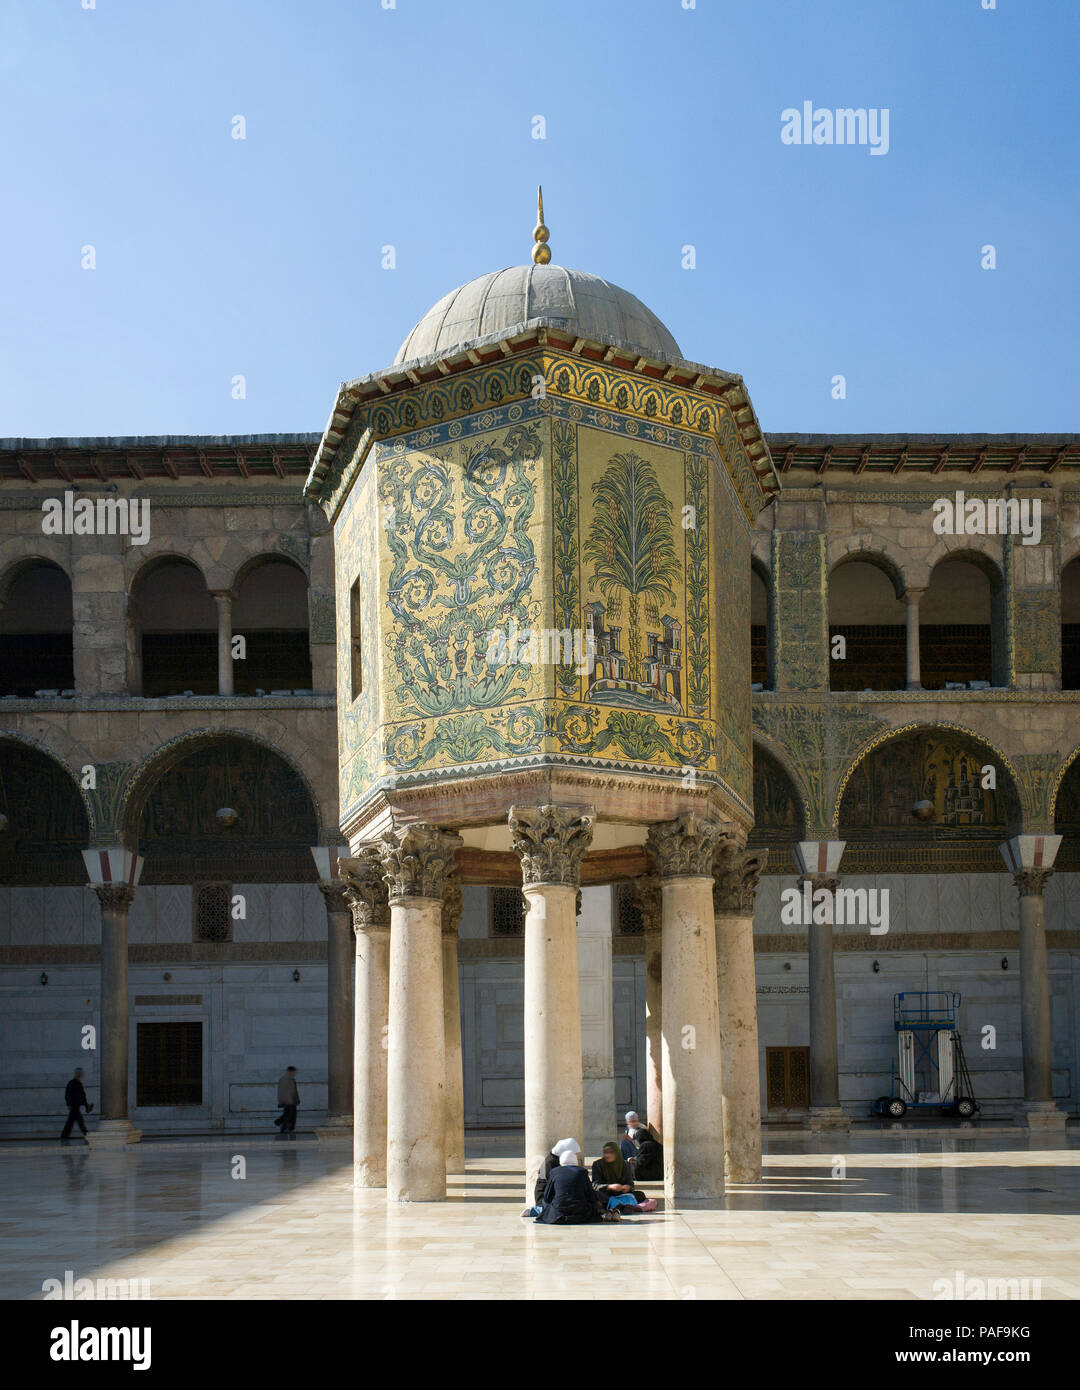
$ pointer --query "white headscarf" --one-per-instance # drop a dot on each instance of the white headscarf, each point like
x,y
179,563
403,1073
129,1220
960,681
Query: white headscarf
x,y
565,1146
568,1158
631,1115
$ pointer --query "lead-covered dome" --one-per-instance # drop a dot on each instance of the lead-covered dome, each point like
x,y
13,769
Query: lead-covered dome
x,y
507,300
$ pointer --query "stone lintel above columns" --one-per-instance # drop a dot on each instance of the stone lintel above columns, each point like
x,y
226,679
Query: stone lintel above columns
x,y
736,875
551,842
416,860
453,905
365,890
686,846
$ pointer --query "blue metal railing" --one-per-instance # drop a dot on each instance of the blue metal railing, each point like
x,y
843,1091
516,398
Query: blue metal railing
x,y
936,1008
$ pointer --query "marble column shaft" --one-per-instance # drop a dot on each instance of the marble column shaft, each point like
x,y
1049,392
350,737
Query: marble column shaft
x,y
824,1052
1034,987
224,600
455,1090
340,949
551,841
416,861
115,1037
371,1002
684,850
735,884
914,673
649,899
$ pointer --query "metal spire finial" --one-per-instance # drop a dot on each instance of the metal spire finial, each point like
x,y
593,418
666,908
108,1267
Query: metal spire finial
x,y
541,252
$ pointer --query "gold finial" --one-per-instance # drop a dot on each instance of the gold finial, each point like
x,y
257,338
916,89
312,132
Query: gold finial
x,y
541,252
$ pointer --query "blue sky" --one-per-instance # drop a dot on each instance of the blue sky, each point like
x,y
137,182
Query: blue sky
x,y
412,127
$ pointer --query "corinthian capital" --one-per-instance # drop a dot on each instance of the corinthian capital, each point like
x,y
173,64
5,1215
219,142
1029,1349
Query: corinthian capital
x,y
551,841
1031,882
737,872
417,859
365,890
686,846
113,897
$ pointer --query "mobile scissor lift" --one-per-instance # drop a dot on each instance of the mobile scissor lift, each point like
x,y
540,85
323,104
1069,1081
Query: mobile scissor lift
x,y
931,1071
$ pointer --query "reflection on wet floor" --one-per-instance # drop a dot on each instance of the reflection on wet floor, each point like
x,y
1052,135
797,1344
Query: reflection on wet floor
x,y
833,1217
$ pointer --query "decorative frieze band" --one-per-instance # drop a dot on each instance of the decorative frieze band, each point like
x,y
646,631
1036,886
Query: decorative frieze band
x,y
551,842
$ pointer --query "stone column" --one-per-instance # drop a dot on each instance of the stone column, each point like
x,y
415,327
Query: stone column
x,y
594,931
684,850
819,860
340,948
737,875
114,1129
455,1090
1031,858
649,900
416,860
551,841
914,676
223,598
367,897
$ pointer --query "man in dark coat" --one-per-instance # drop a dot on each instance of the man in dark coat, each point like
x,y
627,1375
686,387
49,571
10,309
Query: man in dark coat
x,y
76,1102
288,1097
569,1198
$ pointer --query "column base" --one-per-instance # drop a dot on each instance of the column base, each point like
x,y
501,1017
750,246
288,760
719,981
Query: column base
x,y
827,1117
337,1130
1044,1116
113,1134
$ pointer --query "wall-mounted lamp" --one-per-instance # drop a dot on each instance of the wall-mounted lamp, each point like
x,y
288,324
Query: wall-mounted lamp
x,y
44,978
787,965
167,975
877,967
1004,962
296,976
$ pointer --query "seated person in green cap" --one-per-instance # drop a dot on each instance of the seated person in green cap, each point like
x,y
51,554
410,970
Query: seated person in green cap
x,y
613,1181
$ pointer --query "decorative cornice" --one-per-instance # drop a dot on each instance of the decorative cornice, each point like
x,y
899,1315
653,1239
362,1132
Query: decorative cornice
x,y
417,859
551,842
686,846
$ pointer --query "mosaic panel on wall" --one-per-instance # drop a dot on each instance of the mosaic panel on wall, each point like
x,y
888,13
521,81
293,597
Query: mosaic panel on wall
x,y
46,821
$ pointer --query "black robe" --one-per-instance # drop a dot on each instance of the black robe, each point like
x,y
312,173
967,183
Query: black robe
x,y
569,1199
649,1164
550,1163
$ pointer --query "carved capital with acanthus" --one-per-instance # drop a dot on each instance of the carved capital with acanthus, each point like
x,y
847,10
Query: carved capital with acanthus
x,y
365,890
737,872
686,846
819,881
453,904
335,893
417,859
649,900
551,842
113,897
1031,882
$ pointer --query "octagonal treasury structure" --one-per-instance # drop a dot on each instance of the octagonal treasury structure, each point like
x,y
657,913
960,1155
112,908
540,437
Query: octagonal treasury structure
x,y
542,546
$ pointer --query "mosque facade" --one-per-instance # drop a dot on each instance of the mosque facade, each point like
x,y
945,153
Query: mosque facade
x,y
273,741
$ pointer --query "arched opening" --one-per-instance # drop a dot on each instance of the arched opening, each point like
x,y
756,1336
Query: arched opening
x,y
174,630
761,659
867,629
946,799
36,631
778,809
962,625
43,822
225,809
1070,626
271,614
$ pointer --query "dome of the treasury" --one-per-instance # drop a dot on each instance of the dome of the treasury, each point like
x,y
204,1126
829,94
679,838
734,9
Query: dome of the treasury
x,y
507,300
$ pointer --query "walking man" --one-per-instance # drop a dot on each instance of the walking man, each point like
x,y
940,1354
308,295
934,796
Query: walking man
x,y
76,1102
288,1097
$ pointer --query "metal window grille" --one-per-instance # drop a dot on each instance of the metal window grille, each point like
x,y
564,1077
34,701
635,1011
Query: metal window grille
x,y
507,909
628,918
213,917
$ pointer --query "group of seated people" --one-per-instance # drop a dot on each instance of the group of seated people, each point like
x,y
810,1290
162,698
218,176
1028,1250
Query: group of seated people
x,y
566,1194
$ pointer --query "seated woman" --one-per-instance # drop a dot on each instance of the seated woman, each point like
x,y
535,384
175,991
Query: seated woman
x,y
549,1164
613,1181
648,1155
569,1198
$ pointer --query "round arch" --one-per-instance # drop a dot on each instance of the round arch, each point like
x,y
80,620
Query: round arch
x,y
772,753
49,818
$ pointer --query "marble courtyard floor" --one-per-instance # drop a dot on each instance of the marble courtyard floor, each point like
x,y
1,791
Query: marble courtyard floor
x,y
862,1218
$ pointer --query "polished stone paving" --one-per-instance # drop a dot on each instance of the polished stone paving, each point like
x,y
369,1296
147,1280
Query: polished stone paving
x,y
834,1218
